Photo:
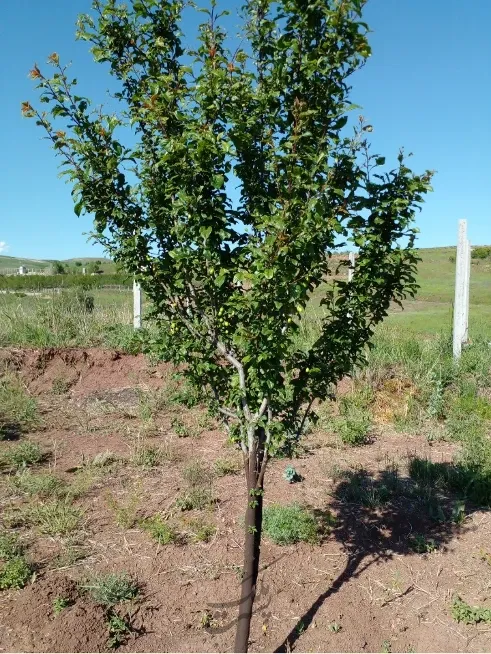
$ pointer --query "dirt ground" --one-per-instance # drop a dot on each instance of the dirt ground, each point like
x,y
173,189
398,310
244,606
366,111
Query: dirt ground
x,y
362,589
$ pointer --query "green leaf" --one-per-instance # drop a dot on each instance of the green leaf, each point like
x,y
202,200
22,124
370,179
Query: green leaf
x,y
205,232
218,181
78,207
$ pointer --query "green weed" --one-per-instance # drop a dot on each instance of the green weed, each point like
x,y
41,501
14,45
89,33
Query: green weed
x,y
463,612
59,604
105,459
180,428
422,545
183,392
359,487
201,531
125,512
18,410
110,589
10,546
289,524
196,474
15,573
355,421
291,475
119,630
22,455
147,456
55,518
60,386
227,466
160,530
43,484
195,499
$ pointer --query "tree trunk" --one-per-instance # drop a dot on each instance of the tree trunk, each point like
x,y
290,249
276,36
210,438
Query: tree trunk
x,y
252,545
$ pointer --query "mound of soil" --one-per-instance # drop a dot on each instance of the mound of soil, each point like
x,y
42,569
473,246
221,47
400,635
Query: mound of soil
x,y
83,371
33,625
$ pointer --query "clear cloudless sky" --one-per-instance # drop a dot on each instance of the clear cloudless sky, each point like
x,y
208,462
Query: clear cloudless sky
x,y
427,87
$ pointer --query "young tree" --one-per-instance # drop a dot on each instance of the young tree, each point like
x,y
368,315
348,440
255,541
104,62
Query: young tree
x,y
230,273
58,268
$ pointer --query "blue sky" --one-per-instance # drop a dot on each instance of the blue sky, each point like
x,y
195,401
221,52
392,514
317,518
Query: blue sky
x,y
426,87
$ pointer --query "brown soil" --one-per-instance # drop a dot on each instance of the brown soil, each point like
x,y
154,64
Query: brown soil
x,y
363,588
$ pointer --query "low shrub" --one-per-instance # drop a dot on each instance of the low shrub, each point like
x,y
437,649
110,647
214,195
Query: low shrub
x,y
288,524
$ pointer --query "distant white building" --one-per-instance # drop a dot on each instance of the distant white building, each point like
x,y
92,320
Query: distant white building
x,y
22,270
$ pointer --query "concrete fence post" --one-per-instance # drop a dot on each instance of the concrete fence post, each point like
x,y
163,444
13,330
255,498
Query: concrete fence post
x,y
137,305
462,281
351,268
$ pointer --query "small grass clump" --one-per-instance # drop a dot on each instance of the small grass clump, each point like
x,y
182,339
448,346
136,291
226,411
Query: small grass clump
x,y
125,513
10,546
422,545
183,393
147,456
195,499
180,428
17,408
59,604
354,426
160,530
289,524
227,466
199,493
21,455
60,386
463,612
55,518
119,630
196,474
42,484
358,487
201,531
113,588
15,571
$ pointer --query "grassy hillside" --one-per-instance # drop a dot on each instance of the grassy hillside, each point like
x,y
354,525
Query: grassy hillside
x,y
431,311
9,263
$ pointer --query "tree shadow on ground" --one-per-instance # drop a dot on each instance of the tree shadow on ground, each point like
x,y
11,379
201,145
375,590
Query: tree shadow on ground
x,y
378,516
10,431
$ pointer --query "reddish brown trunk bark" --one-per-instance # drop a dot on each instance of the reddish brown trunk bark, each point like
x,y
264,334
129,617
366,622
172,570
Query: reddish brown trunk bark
x,y
252,548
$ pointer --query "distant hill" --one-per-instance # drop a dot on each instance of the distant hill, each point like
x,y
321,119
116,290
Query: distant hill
x,y
10,263
103,260
15,262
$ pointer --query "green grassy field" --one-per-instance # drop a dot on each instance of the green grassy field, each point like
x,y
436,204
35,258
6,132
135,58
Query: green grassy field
x,y
431,311
28,319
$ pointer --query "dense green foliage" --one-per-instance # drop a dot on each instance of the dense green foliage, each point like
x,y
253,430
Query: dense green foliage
x,y
229,283
481,253
42,282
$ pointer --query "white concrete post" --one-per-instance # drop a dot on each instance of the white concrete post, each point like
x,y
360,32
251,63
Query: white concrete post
x,y
462,279
467,290
137,305
351,268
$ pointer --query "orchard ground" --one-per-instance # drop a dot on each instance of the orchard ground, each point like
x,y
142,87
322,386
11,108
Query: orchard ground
x,y
121,499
